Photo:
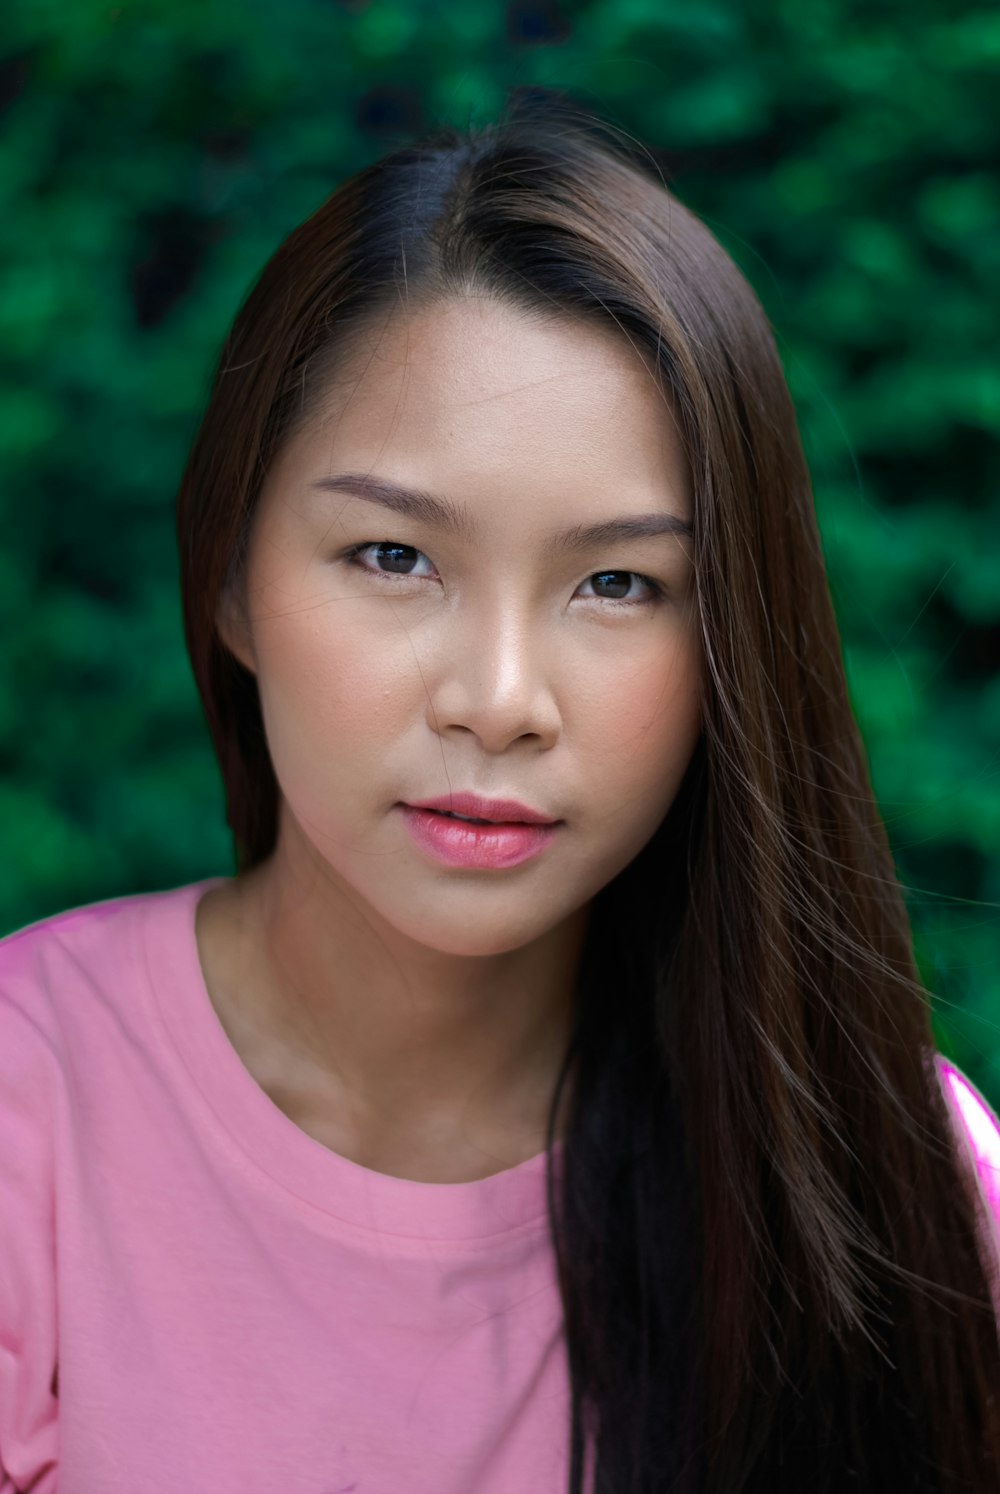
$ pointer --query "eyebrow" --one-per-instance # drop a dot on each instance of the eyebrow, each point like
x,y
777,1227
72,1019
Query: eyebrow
x,y
416,503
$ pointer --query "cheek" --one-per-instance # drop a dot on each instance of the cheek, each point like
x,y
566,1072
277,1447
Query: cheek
x,y
643,723
636,735
327,691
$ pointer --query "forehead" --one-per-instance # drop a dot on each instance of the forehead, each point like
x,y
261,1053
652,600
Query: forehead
x,y
491,404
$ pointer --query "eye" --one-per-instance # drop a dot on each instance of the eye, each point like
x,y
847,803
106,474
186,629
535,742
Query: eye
x,y
654,590
398,554
353,557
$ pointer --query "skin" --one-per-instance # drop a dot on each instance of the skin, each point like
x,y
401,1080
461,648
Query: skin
x,y
410,1015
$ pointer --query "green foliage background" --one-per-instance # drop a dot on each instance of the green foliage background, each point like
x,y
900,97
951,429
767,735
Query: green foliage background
x,y
152,157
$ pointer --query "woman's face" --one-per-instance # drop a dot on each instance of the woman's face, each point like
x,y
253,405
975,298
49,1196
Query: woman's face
x,y
496,657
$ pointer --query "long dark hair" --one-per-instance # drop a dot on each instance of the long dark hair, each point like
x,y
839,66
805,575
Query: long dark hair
x,y
770,1252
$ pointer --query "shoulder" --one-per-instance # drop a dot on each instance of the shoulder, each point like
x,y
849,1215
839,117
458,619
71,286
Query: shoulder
x,y
58,969
978,1129
979,1122
60,951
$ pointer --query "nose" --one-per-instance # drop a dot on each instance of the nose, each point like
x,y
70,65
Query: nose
x,y
493,677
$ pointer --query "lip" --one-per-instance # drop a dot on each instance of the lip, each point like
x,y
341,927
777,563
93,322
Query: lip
x,y
492,847
500,811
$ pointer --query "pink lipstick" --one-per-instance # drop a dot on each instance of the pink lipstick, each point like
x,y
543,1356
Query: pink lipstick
x,y
513,832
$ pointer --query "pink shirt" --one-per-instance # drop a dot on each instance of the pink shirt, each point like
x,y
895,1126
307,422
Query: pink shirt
x,y
197,1295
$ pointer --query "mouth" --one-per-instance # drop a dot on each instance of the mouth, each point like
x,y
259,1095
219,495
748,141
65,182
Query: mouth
x,y
476,809
467,819
473,842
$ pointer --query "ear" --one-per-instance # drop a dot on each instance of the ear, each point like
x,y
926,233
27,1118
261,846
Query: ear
x,y
233,629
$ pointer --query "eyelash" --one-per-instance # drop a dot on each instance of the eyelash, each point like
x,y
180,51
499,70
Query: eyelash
x,y
351,556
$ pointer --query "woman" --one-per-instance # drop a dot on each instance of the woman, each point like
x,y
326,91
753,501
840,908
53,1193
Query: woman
x,y
598,1141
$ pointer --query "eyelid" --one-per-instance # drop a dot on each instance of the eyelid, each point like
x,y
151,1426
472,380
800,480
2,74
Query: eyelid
x,y
658,589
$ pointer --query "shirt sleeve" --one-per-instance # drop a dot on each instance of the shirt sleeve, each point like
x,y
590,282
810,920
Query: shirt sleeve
x,y
28,1334
978,1130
